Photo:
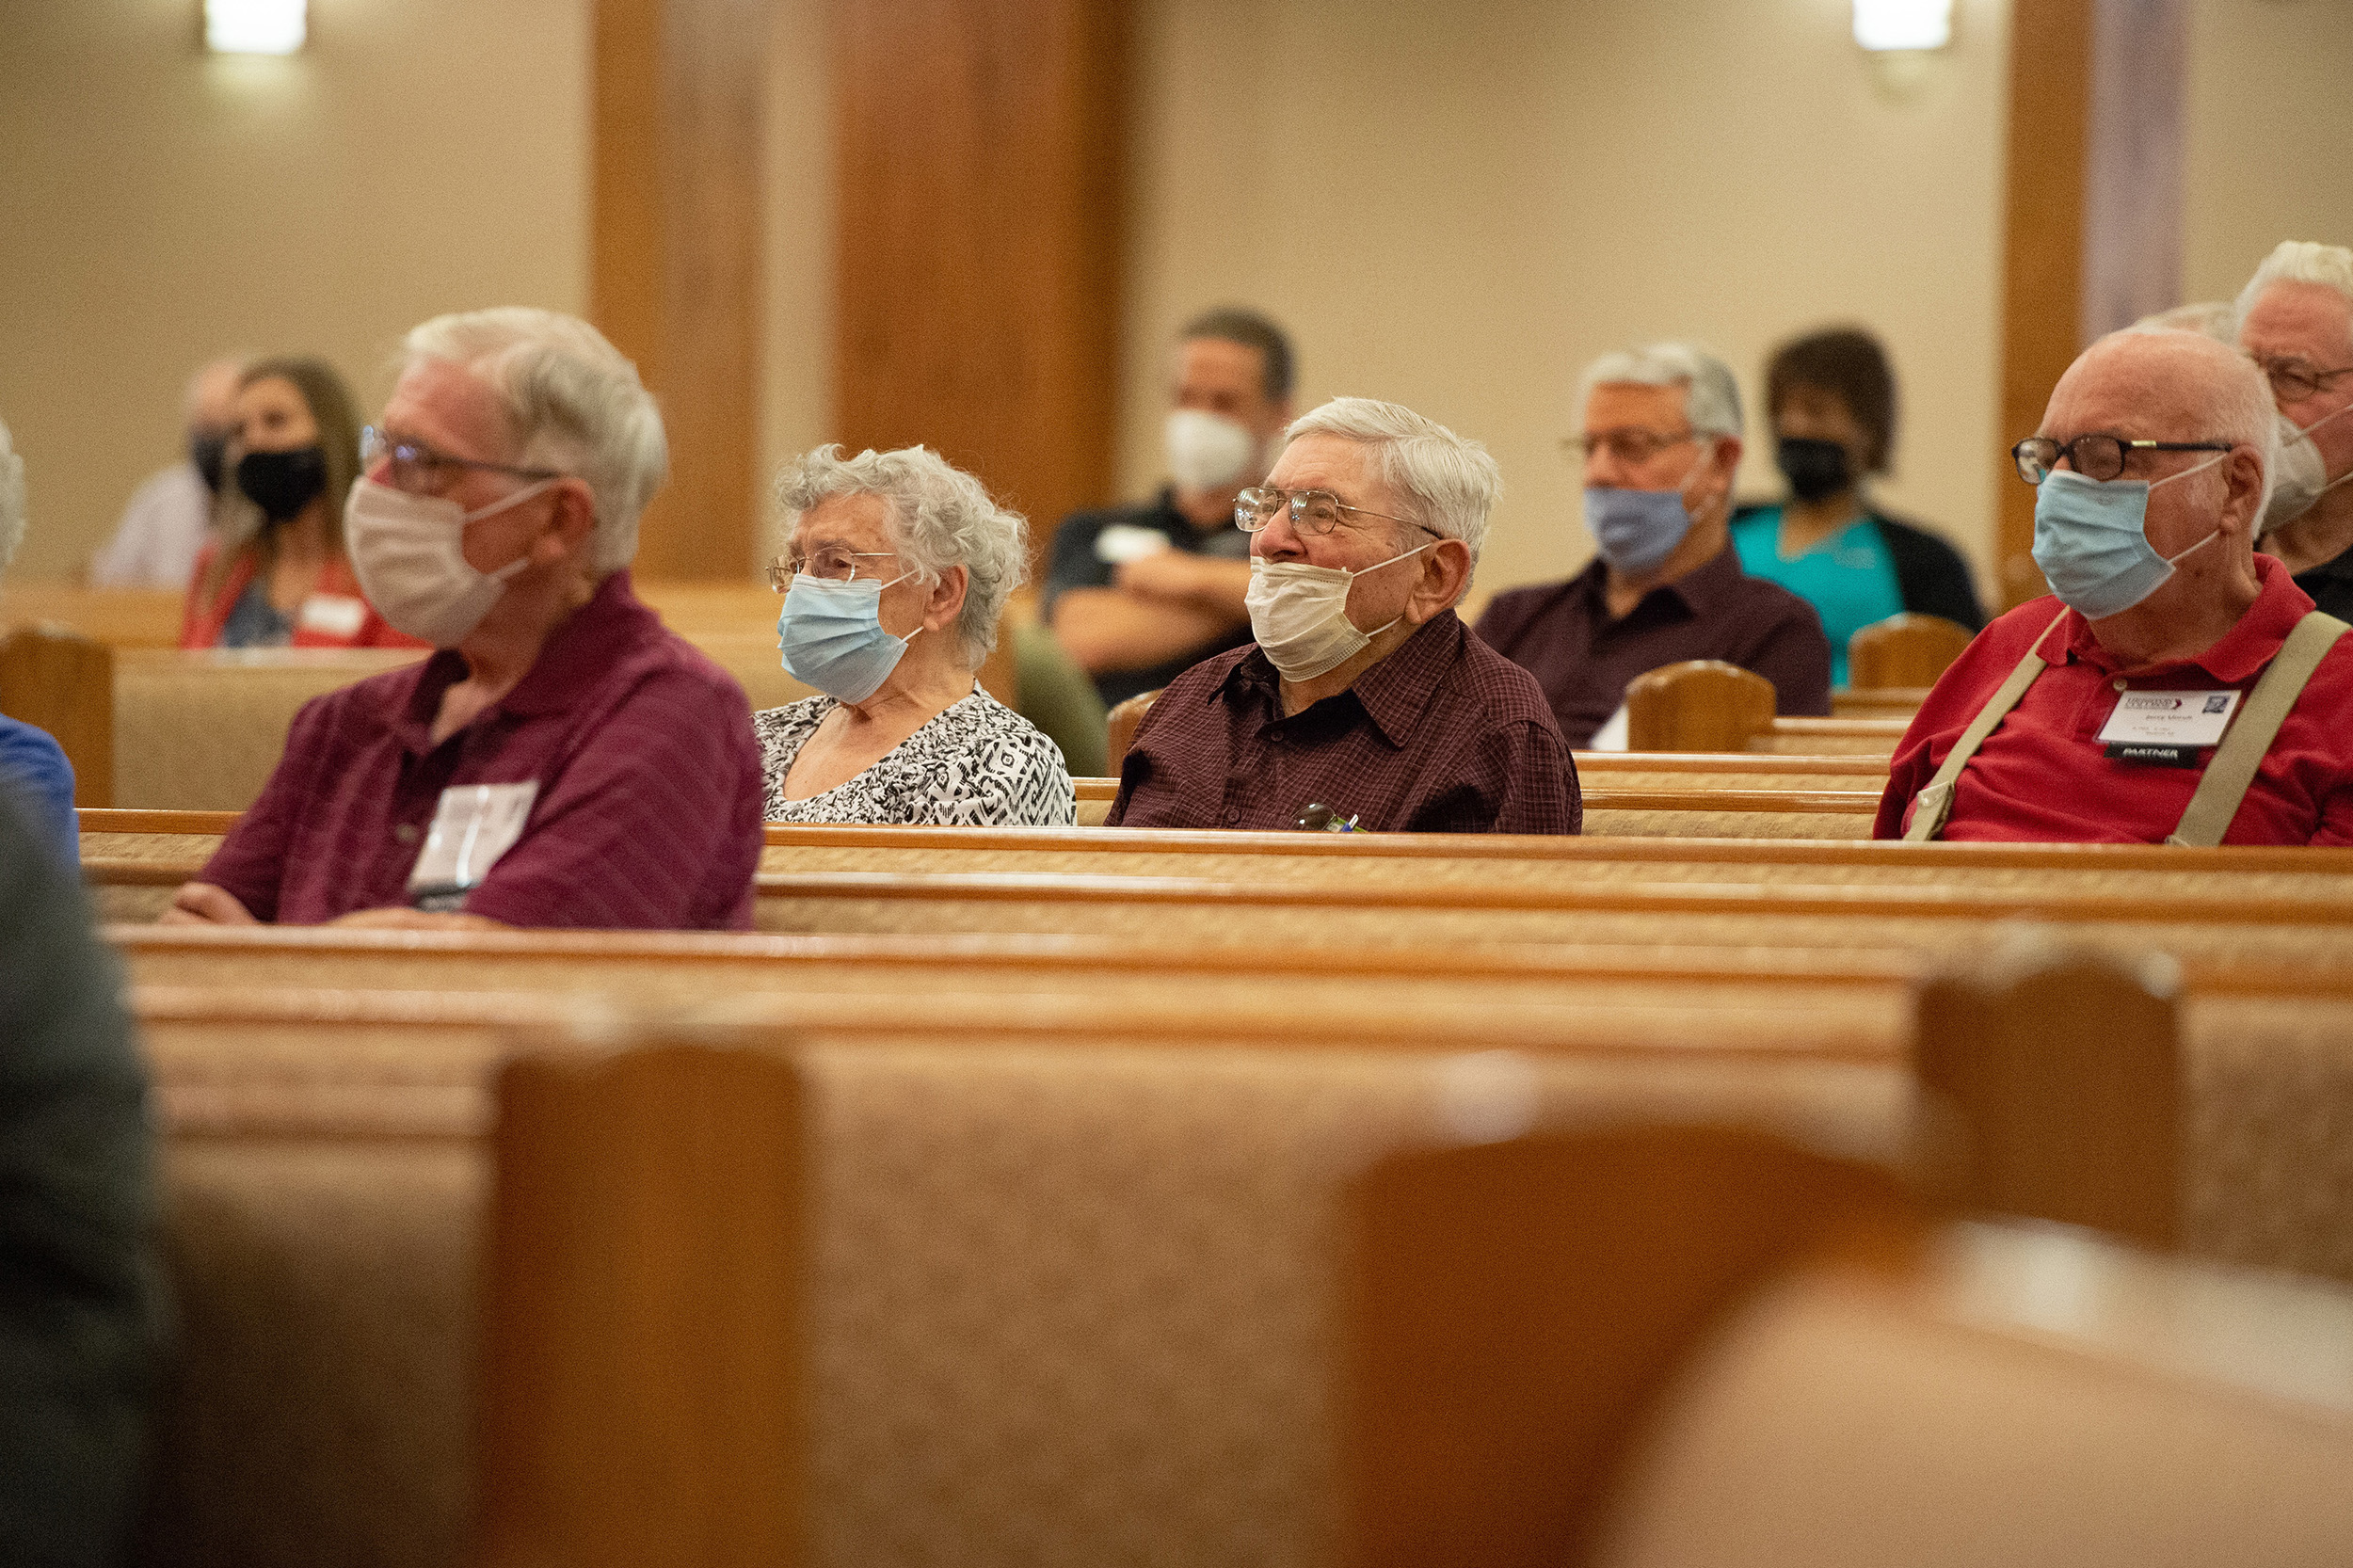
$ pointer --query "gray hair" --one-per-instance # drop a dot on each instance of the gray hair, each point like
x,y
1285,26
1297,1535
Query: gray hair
x,y
1448,482
938,516
576,404
11,498
2298,262
1711,395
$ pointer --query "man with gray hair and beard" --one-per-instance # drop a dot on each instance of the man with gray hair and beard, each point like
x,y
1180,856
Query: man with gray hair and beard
x,y
2295,318
1660,442
1365,702
2177,687
562,760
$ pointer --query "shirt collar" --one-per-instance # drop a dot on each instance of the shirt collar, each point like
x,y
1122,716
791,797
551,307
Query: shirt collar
x,y
2240,653
1393,693
1704,589
578,654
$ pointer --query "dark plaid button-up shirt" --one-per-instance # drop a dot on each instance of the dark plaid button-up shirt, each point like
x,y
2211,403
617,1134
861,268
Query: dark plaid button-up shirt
x,y
647,816
1562,632
1443,736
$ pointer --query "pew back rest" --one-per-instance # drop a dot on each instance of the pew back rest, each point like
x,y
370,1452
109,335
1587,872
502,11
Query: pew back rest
x,y
1698,705
1904,650
62,681
202,731
1123,722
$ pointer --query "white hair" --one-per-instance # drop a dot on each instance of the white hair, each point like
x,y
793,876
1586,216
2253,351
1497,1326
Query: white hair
x,y
576,402
11,498
1445,481
938,516
2298,262
1711,398
2216,318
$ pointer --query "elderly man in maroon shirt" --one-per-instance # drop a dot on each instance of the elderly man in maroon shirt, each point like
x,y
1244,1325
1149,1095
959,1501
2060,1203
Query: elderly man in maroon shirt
x,y
1661,441
2177,686
1365,702
562,760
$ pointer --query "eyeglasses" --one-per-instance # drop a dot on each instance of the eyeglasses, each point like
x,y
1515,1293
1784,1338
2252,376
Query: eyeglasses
x,y
1631,445
1312,512
2294,379
2095,456
832,564
418,467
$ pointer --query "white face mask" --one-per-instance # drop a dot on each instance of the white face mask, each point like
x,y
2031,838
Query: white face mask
x,y
1299,615
2303,476
410,554
1207,452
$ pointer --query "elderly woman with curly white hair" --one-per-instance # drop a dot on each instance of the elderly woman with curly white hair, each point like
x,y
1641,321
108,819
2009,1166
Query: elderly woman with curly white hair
x,y
895,569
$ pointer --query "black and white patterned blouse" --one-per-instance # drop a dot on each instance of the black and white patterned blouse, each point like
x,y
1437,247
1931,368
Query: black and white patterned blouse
x,y
977,764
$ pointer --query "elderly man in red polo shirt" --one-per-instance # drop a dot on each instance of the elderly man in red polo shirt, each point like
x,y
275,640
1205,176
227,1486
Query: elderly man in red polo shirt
x,y
562,760
2178,687
1365,702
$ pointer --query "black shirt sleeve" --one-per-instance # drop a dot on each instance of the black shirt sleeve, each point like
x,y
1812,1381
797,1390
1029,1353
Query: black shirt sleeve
x,y
1930,574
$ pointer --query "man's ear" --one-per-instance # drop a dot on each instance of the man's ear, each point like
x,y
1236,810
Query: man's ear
x,y
2243,471
571,520
1444,575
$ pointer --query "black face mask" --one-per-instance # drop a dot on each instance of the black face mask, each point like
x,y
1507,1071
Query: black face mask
x,y
205,450
282,483
1815,470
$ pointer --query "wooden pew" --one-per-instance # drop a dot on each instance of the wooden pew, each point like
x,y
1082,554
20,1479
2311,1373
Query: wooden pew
x,y
1904,650
1708,705
1122,723
63,682
1887,702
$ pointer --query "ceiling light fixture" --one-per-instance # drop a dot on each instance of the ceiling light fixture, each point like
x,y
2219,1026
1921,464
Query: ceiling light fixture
x,y
1881,25
258,26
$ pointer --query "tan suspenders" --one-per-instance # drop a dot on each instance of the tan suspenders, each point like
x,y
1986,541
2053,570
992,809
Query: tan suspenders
x,y
2233,769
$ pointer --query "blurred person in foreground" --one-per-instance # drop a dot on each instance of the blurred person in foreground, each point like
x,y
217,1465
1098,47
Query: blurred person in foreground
x,y
81,1316
895,571
1660,442
279,574
169,517
31,757
2296,320
1138,594
1831,400
1365,702
562,760
2177,687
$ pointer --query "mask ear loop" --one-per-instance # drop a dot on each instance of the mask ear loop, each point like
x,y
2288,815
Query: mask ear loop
x,y
520,563
1376,567
2176,560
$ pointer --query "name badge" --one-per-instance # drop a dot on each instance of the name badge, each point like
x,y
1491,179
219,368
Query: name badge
x,y
472,826
331,614
1123,542
2169,718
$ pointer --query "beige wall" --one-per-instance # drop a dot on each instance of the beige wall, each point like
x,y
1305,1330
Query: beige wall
x,y
2269,159
1456,206
162,206
797,396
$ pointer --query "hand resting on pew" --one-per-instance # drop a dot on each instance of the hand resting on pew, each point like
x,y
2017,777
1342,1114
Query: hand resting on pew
x,y
202,903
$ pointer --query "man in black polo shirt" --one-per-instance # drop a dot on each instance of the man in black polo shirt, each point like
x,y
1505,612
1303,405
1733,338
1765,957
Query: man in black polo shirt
x,y
1139,594
2295,319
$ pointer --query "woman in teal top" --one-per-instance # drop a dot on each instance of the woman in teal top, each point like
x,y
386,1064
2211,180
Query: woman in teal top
x,y
1832,399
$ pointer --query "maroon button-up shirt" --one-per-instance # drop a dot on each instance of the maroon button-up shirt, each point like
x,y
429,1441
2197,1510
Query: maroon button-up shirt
x,y
1562,634
2043,776
648,812
1443,736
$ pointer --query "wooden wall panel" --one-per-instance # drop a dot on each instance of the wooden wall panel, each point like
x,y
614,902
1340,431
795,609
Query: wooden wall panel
x,y
676,257
978,182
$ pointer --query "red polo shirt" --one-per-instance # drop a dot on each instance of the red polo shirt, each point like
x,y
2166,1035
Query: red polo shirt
x,y
2043,776
1445,735
647,816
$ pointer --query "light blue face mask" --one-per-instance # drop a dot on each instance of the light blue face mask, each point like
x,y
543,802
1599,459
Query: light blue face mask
x,y
832,637
2091,540
1637,530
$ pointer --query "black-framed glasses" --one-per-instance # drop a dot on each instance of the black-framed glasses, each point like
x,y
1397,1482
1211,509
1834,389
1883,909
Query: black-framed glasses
x,y
2095,456
418,467
1631,444
832,564
1312,512
2294,379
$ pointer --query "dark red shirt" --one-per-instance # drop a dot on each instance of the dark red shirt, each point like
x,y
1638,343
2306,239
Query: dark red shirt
x,y
648,812
2043,776
1443,736
1562,634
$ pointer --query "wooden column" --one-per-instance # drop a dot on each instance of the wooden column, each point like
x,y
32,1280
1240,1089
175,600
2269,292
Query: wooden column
x,y
977,222
675,257
2092,223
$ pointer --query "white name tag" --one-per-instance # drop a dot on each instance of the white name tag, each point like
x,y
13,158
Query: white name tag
x,y
331,614
2169,718
1123,542
472,826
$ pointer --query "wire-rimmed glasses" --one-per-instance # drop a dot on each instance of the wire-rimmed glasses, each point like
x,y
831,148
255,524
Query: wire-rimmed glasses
x,y
417,466
832,564
1312,512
